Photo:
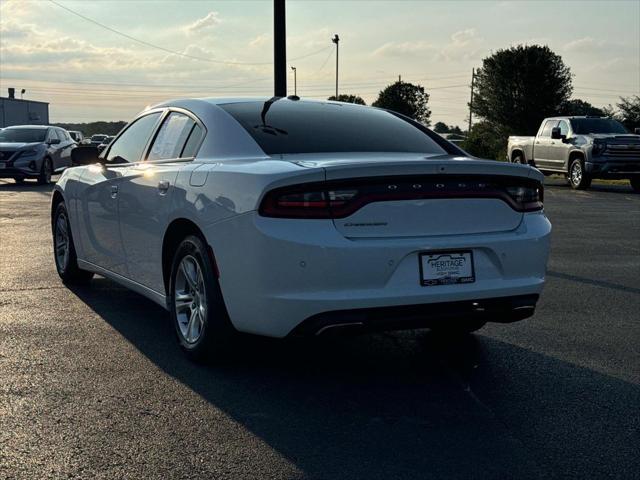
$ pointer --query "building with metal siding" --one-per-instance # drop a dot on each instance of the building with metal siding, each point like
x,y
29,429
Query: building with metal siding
x,y
15,111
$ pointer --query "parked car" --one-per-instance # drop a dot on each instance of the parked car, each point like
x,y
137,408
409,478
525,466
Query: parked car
x,y
34,151
286,217
582,148
97,139
105,143
77,136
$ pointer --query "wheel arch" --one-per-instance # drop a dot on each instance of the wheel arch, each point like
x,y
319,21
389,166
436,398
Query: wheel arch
x,y
572,156
177,230
518,151
56,199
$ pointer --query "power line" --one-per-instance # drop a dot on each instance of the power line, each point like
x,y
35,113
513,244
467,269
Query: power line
x,y
174,52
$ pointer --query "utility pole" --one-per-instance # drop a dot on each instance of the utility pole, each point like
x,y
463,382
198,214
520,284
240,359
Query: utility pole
x,y
295,81
335,40
279,49
473,78
399,78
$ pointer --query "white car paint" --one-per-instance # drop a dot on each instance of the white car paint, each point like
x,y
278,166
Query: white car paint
x,y
277,272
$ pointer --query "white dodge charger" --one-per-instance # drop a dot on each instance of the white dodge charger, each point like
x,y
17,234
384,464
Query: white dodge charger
x,y
285,217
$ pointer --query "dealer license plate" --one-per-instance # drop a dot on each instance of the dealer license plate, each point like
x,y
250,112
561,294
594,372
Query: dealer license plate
x,y
445,268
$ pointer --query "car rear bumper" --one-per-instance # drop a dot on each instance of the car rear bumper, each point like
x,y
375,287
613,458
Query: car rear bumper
x,y
428,315
284,272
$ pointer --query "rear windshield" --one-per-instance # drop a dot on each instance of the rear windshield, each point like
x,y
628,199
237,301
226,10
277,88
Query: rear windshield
x,y
23,135
285,126
584,126
98,138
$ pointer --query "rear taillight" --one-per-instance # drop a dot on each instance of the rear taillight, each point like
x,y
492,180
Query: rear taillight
x,y
339,199
527,198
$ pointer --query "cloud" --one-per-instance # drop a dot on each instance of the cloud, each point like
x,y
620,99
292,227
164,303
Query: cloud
x,y
463,45
211,20
260,40
584,44
403,49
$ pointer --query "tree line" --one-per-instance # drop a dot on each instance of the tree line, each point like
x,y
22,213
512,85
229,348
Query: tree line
x,y
514,90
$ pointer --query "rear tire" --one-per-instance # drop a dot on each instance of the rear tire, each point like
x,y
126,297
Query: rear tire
x,y
578,178
635,184
45,172
519,158
198,313
64,250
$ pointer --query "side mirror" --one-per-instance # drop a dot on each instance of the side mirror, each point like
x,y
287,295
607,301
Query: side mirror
x,y
54,141
636,131
555,133
84,155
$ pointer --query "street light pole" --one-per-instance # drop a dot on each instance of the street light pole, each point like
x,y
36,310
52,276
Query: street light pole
x,y
279,49
335,40
295,81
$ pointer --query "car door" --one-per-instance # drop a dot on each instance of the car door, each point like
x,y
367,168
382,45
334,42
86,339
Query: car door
x,y
559,150
146,196
53,149
64,151
98,195
543,143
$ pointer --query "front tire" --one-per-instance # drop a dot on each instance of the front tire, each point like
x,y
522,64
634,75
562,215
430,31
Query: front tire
x,y
578,178
45,172
198,313
635,184
64,250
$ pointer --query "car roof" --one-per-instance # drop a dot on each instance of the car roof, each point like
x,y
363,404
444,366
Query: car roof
x,y
40,127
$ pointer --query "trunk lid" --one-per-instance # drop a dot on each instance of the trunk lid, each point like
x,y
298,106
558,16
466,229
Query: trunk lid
x,y
450,210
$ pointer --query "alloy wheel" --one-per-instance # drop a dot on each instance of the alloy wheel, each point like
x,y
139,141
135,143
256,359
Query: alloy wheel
x,y
61,246
190,299
576,173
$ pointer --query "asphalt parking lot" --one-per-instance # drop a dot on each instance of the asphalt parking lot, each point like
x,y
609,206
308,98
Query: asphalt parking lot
x,y
92,384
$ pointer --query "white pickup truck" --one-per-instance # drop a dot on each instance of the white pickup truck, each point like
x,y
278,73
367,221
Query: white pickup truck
x,y
582,148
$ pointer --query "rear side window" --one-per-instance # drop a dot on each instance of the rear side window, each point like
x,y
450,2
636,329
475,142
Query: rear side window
x,y
172,137
130,145
193,142
285,126
546,131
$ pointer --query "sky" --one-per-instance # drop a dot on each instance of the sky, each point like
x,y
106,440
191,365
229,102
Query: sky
x,y
224,48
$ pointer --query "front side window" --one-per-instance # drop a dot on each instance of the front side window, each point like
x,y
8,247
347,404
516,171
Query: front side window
x,y
564,128
129,146
61,136
171,137
546,131
289,127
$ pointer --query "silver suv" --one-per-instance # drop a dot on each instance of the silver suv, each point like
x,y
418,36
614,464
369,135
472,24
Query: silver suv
x,y
34,151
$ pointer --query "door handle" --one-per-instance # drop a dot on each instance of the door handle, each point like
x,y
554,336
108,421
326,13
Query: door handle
x,y
163,186
114,191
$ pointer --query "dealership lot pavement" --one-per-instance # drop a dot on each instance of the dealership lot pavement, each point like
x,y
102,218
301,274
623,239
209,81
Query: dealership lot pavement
x,y
92,384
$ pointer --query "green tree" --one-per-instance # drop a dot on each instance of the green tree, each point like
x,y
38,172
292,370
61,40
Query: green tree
x,y
629,112
486,141
579,107
456,130
343,97
406,98
516,88
441,127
